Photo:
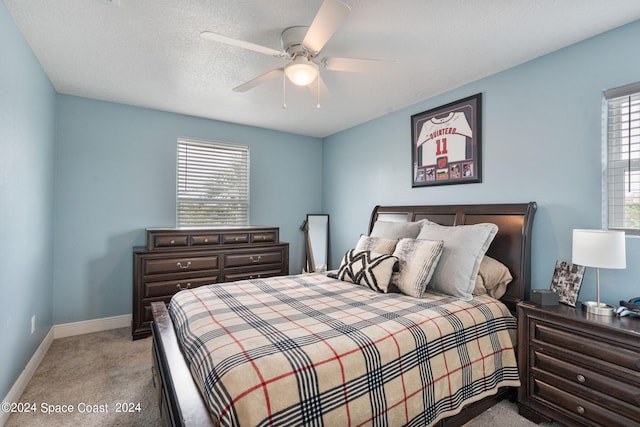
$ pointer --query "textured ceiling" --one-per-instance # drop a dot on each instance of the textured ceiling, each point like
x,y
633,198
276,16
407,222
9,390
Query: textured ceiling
x,y
149,53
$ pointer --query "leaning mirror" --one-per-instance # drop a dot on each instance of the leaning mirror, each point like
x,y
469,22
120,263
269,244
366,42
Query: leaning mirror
x,y
317,242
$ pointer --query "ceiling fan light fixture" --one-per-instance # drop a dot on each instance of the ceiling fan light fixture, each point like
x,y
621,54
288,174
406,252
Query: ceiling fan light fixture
x,y
301,71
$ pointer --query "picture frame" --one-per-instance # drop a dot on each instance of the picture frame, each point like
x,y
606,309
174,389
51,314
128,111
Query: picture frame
x,y
566,282
446,144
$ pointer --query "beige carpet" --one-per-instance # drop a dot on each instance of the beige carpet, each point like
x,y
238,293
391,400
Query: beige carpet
x,y
108,371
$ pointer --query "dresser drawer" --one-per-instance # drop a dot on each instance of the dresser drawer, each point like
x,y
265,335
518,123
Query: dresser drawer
x,y
245,259
258,274
174,241
580,410
235,238
264,237
584,377
179,265
583,344
205,239
170,287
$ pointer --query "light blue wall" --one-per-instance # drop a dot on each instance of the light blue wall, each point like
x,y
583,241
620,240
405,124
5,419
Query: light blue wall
x,y
27,129
541,142
115,176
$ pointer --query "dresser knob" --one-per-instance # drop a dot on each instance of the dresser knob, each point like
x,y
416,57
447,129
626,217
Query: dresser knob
x,y
580,410
581,378
187,265
206,240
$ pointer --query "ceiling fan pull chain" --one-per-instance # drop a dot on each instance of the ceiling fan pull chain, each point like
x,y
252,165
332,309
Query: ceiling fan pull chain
x,y
284,91
318,87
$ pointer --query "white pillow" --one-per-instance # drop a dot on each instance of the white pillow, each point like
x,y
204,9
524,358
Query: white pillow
x,y
418,260
396,230
376,244
464,247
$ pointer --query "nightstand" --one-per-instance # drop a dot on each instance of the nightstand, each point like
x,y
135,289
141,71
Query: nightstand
x,y
576,368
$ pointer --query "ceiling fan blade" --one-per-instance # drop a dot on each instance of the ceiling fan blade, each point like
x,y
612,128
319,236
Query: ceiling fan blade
x,y
354,65
328,19
258,80
243,44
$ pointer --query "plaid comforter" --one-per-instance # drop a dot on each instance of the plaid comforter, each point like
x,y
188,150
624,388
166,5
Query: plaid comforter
x,y
310,350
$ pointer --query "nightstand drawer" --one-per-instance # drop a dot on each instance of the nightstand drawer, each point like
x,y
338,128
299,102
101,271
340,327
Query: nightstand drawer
x,y
580,410
179,265
585,377
587,345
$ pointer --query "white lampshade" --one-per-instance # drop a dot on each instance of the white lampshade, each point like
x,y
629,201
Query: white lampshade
x,y
301,71
599,248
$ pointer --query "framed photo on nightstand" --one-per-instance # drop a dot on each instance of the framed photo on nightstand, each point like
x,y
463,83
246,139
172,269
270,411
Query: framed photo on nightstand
x,y
566,282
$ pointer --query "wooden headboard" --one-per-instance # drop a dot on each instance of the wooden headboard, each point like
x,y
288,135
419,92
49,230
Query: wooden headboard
x,y
511,246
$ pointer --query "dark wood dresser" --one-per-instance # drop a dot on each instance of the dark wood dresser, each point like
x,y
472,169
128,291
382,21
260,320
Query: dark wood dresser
x,y
576,368
184,258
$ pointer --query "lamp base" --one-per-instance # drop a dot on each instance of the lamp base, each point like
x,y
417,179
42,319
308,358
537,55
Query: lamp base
x,y
600,309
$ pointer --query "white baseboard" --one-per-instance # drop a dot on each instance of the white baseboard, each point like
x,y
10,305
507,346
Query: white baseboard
x,y
90,326
59,331
24,378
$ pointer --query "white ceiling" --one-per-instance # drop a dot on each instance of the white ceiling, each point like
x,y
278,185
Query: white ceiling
x,y
149,53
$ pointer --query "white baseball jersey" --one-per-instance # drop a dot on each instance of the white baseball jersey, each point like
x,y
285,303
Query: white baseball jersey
x,y
444,137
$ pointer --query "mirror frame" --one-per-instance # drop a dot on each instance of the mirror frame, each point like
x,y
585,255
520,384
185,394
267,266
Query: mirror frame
x,y
319,241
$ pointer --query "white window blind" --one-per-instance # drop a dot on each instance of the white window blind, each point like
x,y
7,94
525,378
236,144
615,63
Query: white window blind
x,y
623,158
212,184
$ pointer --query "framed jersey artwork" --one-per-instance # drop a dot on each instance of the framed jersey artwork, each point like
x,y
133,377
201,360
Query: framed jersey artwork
x,y
446,144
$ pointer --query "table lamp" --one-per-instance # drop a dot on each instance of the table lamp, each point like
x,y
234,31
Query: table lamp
x,y
599,249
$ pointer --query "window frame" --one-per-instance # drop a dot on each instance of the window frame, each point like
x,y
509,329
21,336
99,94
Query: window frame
x,y
232,163
613,218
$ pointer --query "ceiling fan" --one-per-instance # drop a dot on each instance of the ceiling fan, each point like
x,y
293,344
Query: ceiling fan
x,y
301,46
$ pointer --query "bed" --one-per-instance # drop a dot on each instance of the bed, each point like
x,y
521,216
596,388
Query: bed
x,y
323,386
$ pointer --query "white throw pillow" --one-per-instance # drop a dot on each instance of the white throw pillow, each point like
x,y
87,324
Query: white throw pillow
x,y
418,260
376,244
464,247
396,230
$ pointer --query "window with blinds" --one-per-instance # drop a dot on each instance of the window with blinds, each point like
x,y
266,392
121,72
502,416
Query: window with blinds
x,y
622,190
212,184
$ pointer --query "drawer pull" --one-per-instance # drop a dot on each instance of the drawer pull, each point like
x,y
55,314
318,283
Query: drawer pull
x,y
206,240
581,378
187,265
173,242
256,259
580,410
255,277
181,288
